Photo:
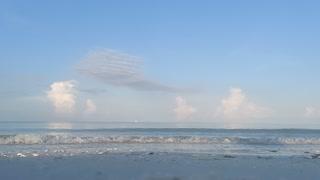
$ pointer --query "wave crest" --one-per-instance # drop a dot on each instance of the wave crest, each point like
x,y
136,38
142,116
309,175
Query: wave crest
x,y
66,139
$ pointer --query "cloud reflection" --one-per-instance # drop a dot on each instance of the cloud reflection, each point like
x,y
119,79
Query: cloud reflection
x,y
60,125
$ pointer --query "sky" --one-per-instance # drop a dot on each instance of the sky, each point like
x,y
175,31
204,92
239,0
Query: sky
x,y
232,62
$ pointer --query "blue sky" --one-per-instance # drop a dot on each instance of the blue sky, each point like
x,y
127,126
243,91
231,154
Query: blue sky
x,y
186,61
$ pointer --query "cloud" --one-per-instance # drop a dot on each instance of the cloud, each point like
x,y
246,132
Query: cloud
x,y
311,112
91,107
118,69
237,106
94,91
62,96
183,110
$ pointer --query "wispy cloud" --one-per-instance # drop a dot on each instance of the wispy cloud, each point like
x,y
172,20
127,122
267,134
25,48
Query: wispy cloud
x,y
183,110
13,93
62,96
237,106
91,107
118,69
94,91
311,112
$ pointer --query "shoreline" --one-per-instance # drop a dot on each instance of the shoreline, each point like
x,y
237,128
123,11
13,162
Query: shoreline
x,y
149,166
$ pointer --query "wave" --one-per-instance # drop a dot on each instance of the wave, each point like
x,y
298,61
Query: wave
x,y
67,139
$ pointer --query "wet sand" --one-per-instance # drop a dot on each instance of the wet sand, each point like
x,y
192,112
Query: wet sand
x,y
159,166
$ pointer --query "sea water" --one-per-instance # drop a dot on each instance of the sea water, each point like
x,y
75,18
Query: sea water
x,y
79,138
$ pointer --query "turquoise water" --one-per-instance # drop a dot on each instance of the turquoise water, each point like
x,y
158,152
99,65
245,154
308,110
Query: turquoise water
x,y
56,138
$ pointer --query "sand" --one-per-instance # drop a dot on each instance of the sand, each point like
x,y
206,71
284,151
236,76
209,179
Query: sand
x,y
159,166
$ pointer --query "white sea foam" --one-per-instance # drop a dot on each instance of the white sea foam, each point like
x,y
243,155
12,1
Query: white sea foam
x,y
68,139
22,139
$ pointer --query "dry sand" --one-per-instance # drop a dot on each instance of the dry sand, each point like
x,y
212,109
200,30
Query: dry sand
x,y
159,166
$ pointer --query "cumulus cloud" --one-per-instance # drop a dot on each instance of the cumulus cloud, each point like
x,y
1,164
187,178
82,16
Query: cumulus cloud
x,y
62,96
118,69
237,106
91,107
311,112
183,110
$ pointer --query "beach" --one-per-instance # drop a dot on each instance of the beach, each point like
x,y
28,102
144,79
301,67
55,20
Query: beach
x,y
159,90
36,152
160,166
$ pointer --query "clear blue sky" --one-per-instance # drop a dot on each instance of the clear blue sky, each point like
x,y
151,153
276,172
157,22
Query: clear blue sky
x,y
196,60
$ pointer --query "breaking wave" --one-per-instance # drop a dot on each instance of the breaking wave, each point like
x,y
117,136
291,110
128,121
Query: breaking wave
x,y
67,139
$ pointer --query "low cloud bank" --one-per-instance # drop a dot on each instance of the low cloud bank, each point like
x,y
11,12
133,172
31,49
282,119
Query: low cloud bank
x,y
311,112
91,107
183,110
238,106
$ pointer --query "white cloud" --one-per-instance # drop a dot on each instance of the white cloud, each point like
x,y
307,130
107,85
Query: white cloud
x,y
62,96
91,107
183,110
311,112
237,106
118,69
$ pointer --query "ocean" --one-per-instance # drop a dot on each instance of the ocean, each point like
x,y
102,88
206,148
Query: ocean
x,y
81,138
